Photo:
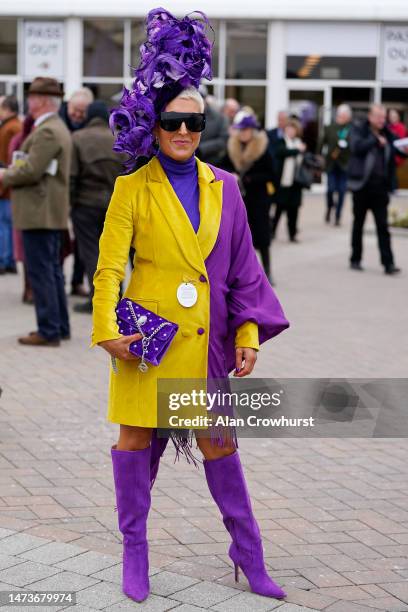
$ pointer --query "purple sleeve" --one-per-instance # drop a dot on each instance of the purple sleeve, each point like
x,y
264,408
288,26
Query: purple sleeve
x,y
250,296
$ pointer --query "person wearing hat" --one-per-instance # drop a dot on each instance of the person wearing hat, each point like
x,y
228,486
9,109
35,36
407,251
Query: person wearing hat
x,y
194,265
94,170
40,181
249,157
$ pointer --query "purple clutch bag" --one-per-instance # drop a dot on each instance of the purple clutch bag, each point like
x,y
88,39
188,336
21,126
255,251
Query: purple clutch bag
x,y
157,333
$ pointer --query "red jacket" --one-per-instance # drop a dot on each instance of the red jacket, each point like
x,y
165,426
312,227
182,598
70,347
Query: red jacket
x,y
8,129
400,131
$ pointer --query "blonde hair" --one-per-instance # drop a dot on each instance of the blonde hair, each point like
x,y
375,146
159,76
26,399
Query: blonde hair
x,y
297,125
191,93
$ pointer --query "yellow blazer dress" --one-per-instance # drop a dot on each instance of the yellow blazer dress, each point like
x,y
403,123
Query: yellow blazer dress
x,y
144,212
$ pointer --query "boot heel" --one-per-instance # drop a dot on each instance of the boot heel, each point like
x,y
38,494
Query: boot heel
x,y
236,567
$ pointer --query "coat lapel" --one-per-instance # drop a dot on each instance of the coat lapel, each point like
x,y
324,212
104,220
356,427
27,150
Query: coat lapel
x,y
210,208
195,247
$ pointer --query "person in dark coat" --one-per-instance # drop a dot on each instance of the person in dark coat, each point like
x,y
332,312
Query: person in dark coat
x,y
73,113
371,176
277,134
336,150
275,138
288,156
249,158
94,170
214,138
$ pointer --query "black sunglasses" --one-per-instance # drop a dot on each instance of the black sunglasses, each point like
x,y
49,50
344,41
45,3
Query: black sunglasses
x,y
195,122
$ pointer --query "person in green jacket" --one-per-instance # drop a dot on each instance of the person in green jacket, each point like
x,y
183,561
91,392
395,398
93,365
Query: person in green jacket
x,y
335,147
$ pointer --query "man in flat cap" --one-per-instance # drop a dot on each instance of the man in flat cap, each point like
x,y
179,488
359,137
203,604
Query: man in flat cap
x,y
39,177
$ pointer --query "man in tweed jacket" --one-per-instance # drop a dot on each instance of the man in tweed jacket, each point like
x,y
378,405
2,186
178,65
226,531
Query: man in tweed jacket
x,y
40,182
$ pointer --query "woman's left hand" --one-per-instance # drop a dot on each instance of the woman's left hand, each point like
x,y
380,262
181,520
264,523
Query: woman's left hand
x,y
245,359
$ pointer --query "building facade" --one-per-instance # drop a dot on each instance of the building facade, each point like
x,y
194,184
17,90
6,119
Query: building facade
x,y
275,58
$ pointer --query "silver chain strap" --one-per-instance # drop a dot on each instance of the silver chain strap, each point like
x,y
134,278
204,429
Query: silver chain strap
x,y
143,367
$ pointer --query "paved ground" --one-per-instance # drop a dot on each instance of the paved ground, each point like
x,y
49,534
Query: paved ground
x,y
333,513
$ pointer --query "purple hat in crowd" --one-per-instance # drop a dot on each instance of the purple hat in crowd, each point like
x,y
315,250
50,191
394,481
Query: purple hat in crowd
x,y
176,55
244,120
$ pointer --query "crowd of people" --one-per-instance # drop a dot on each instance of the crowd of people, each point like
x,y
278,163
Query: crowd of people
x,y
273,168
58,169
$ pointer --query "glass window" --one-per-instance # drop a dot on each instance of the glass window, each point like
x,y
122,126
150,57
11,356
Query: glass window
x,y
210,88
246,50
103,48
395,94
213,36
110,93
320,67
396,97
358,98
8,46
248,95
138,36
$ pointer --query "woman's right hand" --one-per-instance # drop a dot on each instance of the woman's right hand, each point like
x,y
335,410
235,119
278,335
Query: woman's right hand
x,y
119,348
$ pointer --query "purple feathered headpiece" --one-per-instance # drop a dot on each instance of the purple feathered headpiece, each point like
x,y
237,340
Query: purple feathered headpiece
x,y
176,55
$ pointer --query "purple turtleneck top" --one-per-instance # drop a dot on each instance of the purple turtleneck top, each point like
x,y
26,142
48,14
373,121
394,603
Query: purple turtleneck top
x,y
183,177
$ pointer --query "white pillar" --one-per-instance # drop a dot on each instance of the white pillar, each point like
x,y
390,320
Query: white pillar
x,y
222,61
276,94
327,105
73,52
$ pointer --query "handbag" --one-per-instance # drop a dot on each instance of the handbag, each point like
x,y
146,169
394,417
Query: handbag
x,y
157,332
308,170
303,176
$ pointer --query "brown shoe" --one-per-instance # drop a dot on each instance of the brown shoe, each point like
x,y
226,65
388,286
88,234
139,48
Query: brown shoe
x,y
28,297
35,339
66,337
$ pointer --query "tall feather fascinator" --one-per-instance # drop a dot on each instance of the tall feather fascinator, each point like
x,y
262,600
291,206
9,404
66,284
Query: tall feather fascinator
x,y
176,55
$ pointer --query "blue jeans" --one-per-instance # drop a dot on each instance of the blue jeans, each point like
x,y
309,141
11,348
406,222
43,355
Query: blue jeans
x,y
336,183
42,249
6,235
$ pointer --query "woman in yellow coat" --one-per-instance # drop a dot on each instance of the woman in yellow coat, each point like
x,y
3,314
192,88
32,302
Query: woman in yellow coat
x,y
188,226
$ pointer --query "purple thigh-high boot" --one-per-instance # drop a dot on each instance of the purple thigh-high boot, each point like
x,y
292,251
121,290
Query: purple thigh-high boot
x,y
131,473
226,482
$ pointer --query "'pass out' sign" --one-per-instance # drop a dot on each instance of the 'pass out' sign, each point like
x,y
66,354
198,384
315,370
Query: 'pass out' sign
x,y
395,53
43,49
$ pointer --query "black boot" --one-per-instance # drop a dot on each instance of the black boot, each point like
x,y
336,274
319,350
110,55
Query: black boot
x,y
391,269
85,308
266,262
